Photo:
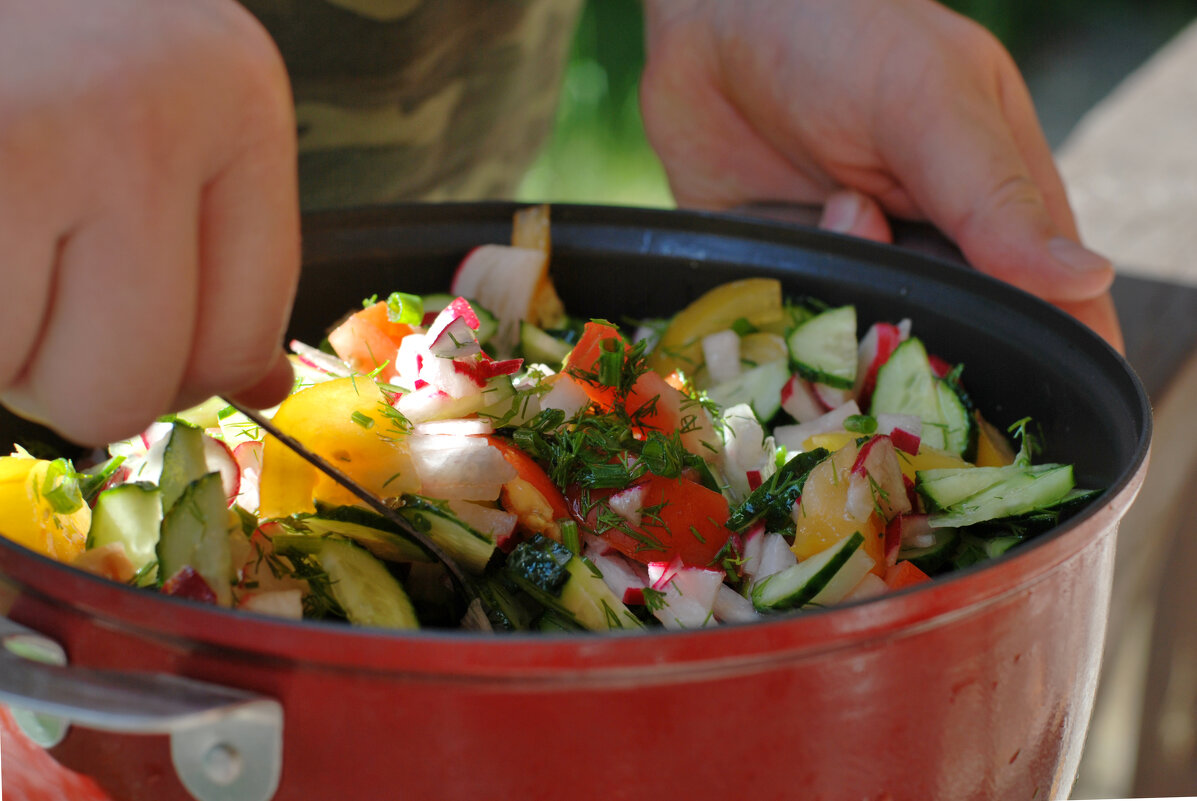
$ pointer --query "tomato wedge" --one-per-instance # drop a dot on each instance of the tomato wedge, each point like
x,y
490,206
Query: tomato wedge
x,y
679,518
657,404
368,339
531,496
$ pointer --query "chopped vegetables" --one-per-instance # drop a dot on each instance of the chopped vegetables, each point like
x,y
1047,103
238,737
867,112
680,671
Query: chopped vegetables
x,y
758,457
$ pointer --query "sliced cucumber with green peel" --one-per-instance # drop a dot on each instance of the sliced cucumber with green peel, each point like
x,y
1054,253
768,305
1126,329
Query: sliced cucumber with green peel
x,y
469,548
906,384
567,586
361,585
370,530
824,348
801,584
537,345
195,531
760,387
182,461
130,514
1020,490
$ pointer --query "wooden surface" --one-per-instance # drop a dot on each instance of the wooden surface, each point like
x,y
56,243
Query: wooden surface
x,y
1131,170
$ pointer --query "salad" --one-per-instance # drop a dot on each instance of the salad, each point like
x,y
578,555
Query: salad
x,y
750,455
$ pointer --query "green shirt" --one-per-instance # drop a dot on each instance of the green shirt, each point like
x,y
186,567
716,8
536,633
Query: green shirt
x,y
419,99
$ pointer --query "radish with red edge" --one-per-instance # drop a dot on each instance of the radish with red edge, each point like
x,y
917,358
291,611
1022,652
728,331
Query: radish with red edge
x,y
619,574
875,348
249,460
831,397
628,503
220,459
451,334
688,594
875,482
187,583
799,401
751,549
905,441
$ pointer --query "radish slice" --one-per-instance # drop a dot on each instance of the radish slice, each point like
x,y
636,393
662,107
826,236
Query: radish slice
x,y
318,360
745,449
451,334
459,468
831,397
504,279
753,548
799,400
910,423
721,351
875,348
219,458
794,437
618,574
732,607
249,459
905,441
689,596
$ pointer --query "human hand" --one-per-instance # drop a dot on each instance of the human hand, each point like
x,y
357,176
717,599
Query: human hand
x,y
149,217
917,110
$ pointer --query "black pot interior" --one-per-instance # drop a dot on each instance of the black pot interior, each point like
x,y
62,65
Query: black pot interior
x,y
1022,357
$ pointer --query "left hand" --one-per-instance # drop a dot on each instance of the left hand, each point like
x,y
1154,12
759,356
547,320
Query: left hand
x,y
919,112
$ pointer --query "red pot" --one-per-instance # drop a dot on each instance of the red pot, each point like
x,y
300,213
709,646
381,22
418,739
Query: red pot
x,y
978,685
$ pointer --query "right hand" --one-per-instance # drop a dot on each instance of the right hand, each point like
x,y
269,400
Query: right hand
x,y
149,216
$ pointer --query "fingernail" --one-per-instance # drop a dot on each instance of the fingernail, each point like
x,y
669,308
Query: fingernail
x,y
841,212
1075,257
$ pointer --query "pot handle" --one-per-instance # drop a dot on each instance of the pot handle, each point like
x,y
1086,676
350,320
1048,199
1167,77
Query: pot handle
x,y
226,744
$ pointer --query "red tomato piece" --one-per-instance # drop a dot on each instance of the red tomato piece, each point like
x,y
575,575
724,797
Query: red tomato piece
x,y
532,496
904,574
679,518
368,339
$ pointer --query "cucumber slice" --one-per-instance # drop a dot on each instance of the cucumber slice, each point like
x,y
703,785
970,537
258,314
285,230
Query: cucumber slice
x,y
799,585
469,548
931,558
182,461
943,487
537,345
906,384
1020,491
361,585
760,387
195,532
372,531
130,514
567,585
824,348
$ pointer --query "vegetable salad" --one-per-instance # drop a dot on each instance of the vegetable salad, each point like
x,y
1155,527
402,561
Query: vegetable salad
x,y
750,455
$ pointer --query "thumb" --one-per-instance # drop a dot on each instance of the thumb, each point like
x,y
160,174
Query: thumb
x,y
1006,231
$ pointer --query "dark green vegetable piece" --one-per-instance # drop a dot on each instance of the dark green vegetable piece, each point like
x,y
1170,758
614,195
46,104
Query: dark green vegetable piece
x,y
540,564
774,499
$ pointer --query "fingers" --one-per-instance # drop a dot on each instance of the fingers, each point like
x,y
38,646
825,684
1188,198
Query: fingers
x,y
848,212
249,251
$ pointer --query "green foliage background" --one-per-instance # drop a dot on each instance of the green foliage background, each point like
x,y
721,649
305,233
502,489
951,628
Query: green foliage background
x,y
598,152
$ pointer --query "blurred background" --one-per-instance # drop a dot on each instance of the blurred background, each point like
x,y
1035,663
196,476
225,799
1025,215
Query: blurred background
x,y
1072,52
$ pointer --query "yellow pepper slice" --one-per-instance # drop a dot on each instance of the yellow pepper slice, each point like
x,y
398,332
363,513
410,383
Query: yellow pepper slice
x,y
344,421
40,512
757,300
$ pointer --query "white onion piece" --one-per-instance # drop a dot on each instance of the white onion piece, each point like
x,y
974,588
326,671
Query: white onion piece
x,y
745,449
793,438
721,351
776,556
461,426
628,503
502,279
278,603
871,586
566,394
732,607
459,468
910,423
495,523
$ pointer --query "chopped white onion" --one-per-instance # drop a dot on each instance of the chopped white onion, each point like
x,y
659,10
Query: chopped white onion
x,y
462,426
721,351
459,468
732,607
